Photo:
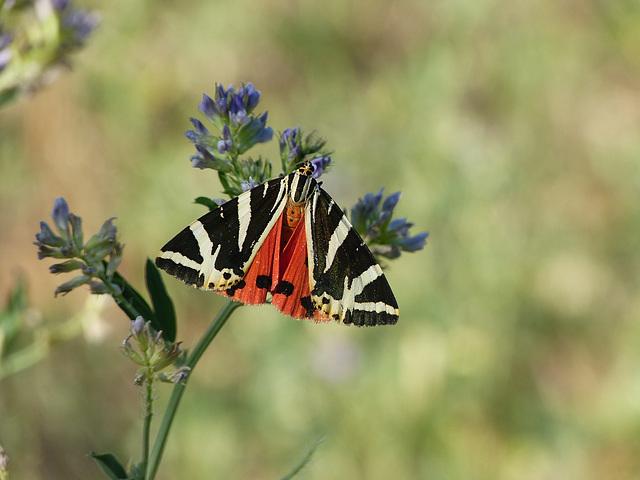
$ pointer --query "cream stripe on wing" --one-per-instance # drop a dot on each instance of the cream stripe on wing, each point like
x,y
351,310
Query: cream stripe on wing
x,y
335,242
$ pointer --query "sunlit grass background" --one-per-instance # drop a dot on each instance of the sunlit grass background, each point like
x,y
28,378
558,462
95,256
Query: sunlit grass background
x,y
513,130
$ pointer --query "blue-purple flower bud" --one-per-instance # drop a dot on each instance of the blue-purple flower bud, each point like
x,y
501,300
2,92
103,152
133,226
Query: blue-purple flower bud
x,y
226,143
387,207
387,237
253,97
60,215
237,112
319,163
413,244
209,109
71,284
47,237
68,266
248,185
76,229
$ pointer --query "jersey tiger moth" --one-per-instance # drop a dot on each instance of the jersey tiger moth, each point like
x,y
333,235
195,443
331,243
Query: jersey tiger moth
x,y
288,238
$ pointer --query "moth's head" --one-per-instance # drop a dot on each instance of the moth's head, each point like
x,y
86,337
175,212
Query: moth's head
x,y
307,169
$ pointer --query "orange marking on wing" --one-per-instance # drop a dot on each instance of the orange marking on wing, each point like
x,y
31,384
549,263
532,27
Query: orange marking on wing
x,y
290,220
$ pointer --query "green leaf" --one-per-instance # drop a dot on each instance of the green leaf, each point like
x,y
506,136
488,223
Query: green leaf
x,y
207,202
165,314
134,299
110,465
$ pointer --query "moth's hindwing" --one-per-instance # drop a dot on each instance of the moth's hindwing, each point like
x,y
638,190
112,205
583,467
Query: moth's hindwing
x,y
215,251
347,283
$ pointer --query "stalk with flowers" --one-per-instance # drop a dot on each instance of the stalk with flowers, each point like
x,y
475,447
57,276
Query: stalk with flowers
x,y
36,39
152,343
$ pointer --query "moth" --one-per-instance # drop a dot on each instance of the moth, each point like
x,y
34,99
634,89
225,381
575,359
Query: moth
x,y
286,239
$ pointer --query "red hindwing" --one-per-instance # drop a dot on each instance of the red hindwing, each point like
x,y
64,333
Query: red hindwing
x,y
281,270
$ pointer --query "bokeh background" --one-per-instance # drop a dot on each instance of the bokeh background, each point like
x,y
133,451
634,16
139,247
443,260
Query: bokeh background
x,y
513,130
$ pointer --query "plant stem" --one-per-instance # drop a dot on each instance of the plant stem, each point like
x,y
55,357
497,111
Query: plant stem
x,y
148,416
178,390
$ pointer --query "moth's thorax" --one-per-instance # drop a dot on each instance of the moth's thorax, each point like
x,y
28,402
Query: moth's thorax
x,y
302,185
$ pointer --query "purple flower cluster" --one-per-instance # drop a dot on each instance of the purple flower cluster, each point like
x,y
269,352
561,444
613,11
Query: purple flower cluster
x,y
88,258
59,29
231,112
296,148
372,218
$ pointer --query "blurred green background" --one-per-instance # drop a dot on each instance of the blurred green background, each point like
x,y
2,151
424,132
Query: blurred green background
x,y
513,130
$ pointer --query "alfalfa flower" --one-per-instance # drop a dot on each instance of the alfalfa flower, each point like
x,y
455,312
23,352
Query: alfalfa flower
x,y
295,148
96,260
36,39
372,218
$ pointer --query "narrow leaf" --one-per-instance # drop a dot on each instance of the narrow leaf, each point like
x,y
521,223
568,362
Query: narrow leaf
x,y
134,299
165,314
307,455
207,202
110,465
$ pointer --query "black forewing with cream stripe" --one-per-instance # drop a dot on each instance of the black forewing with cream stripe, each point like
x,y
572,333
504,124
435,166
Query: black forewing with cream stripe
x,y
215,251
347,282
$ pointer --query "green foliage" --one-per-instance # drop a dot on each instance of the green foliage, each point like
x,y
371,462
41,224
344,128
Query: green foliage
x,y
164,313
110,465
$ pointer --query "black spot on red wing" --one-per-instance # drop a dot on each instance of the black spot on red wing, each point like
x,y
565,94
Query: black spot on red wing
x,y
263,281
285,288
308,305
238,286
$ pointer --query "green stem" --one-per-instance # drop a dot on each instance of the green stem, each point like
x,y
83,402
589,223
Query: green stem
x,y
178,390
148,416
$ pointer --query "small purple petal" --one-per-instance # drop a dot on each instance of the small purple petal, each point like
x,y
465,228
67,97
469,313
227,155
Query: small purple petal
x,y
137,325
248,185
208,107
413,244
387,207
60,215
319,163
399,227
226,143
199,126
237,112
265,135
253,97
224,146
221,93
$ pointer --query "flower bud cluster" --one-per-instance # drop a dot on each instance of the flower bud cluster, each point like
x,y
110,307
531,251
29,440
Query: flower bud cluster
x,y
153,354
36,37
372,218
231,112
296,148
88,259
